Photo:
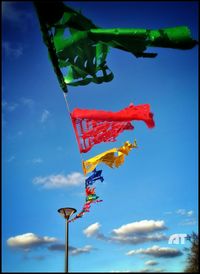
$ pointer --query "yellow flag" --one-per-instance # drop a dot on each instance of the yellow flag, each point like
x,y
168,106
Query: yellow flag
x,y
108,157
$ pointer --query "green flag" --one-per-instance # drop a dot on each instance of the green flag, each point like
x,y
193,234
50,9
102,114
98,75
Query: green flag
x,y
79,46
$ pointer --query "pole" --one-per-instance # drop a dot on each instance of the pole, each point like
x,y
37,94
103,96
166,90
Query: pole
x,y
66,246
66,212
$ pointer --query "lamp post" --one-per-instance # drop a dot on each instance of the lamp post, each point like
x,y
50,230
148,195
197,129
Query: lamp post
x,y
66,212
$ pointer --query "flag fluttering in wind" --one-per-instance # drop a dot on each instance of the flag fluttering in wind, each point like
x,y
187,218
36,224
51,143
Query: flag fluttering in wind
x,y
96,175
83,50
90,193
95,126
112,158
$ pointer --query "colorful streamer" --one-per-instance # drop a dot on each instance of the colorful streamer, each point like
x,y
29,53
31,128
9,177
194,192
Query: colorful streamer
x,y
95,126
108,157
94,177
91,196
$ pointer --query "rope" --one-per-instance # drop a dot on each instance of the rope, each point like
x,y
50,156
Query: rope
x,y
68,109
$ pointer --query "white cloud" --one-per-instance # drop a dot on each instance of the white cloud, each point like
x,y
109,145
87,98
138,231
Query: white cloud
x,y
184,212
137,239
141,227
59,180
157,251
92,230
29,240
190,213
81,250
144,270
37,161
45,115
133,233
151,262
12,51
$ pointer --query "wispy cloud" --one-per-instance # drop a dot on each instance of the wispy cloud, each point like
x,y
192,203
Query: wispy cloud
x,y
185,212
157,251
37,161
27,102
81,250
9,106
45,115
72,250
29,240
137,239
153,270
151,262
133,233
188,222
181,212
59,180
143,270
12,51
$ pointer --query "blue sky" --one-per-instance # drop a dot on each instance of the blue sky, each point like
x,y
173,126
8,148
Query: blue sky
x,y
150,197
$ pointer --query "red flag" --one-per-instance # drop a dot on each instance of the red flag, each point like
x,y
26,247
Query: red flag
x,y
95,126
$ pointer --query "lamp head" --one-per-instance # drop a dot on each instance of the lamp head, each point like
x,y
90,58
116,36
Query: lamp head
x,y
66,212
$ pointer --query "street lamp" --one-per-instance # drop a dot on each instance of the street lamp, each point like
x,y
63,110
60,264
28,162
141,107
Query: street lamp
x,y
66,212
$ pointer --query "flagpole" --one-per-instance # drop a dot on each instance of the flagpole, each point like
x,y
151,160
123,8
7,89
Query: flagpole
x,y
66,212
66,245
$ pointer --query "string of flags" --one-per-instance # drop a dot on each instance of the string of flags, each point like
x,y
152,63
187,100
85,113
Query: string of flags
x,y
91,196
109,158
83,54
